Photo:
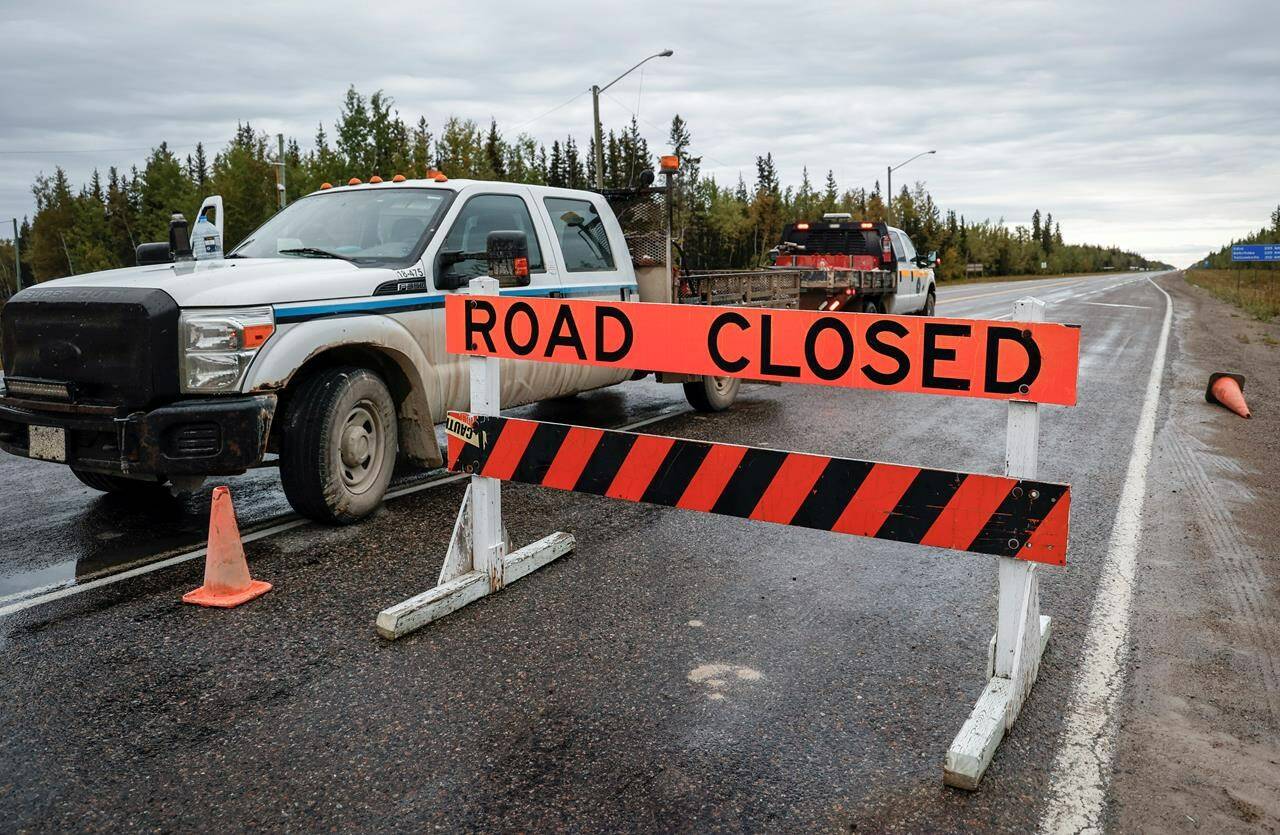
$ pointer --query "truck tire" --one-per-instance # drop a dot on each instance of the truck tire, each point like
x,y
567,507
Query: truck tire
x,y
338,445
930,304
118,484
712,394
871,306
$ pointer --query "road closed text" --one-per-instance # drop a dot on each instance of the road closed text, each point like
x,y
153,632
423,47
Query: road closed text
x,y
958,357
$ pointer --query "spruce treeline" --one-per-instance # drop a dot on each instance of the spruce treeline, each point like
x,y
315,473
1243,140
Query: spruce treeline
x,y
97,225
1270,234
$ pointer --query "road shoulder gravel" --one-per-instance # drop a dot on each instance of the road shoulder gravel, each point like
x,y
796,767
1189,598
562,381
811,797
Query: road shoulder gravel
x,y
1198,746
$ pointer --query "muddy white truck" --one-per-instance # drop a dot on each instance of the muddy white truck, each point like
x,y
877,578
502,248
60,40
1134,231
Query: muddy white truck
x,y
857,265
318,342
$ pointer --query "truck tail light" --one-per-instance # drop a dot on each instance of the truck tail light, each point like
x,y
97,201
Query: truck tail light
x,y
886,249
802,226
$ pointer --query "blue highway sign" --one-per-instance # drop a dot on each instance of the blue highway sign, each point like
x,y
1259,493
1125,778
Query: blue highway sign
x,y
1255,252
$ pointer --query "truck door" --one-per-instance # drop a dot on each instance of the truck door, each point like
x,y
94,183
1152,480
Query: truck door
x,y
503,208
910,290
587,244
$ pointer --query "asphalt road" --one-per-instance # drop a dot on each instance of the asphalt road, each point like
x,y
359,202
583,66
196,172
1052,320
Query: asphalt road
x,y
678,671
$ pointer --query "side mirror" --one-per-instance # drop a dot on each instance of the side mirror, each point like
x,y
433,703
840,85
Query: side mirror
x,y
179,238
507,252
446,280
156,253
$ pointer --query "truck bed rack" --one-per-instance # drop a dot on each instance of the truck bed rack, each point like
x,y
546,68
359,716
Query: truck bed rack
x,y
742,288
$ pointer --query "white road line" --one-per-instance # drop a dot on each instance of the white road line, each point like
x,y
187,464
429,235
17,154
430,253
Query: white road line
x,y
68,591
1113,304
138,572
1082,768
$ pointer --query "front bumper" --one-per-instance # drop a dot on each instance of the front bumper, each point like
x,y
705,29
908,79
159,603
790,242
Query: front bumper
x,y
214,436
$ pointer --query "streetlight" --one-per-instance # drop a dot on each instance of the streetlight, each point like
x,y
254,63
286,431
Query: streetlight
x,y
595,104
888,206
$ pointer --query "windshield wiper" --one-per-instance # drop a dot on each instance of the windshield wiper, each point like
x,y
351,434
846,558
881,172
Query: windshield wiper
x,y
315,252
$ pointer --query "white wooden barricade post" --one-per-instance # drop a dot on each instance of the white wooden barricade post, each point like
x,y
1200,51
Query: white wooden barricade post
x,y
478,562
1013,659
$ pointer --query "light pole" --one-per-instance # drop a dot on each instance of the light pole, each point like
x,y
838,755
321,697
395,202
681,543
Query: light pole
x,y
595,106
888,203
280,184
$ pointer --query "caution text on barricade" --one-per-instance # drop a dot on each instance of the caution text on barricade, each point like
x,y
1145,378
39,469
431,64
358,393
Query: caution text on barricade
x,y
1031,361
986,514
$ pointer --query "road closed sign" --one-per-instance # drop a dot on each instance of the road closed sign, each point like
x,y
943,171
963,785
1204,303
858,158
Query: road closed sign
x,y
1032,361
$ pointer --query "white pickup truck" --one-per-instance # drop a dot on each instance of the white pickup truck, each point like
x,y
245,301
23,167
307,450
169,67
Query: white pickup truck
x,y
319,339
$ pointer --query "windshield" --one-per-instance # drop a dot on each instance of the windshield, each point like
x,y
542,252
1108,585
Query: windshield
x,y
373,227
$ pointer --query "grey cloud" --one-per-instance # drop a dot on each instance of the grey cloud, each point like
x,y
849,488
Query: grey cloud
x,y
1141,124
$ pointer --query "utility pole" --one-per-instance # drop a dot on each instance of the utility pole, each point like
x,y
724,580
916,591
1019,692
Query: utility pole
x,y
595,107
280,184
888,202
888,195
596,90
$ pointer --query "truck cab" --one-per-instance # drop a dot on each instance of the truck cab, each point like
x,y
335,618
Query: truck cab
x,y
318,339
864,266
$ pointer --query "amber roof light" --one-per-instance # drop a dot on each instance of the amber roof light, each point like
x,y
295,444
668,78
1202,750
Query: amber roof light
x,y
354,181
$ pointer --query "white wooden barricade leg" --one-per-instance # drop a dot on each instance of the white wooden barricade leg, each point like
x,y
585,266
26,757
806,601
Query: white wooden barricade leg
x,y
478,562
1021,632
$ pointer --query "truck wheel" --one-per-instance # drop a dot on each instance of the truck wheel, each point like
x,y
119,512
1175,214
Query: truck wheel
x,y
870,306
118,484
338,445
712,394
930,304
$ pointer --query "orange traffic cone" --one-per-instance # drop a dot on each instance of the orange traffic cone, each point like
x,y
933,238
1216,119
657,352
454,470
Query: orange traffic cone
x,y
1227,390
226,573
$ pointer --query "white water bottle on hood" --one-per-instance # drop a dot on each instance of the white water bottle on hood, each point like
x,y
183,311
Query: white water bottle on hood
x,y
206,236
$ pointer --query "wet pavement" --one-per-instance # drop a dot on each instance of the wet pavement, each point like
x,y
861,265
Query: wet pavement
x,y
678,671
60,532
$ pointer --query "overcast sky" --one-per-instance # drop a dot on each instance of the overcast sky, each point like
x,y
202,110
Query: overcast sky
x,y
1154,126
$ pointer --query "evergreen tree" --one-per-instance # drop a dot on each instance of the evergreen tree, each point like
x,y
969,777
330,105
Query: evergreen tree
x,y
165,190
199,168
555,168
494,153
353,135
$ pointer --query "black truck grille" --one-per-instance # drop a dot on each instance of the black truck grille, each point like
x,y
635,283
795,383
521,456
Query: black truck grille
x,y
114,346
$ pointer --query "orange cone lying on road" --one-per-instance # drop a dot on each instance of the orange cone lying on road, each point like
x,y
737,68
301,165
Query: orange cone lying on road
x,y
226,573
1228,390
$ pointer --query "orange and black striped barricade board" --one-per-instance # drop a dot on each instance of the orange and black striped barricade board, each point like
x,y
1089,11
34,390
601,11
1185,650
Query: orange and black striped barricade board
x,y
985,514
1027,361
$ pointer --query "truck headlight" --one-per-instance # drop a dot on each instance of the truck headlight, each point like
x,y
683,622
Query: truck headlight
x,y
216,346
